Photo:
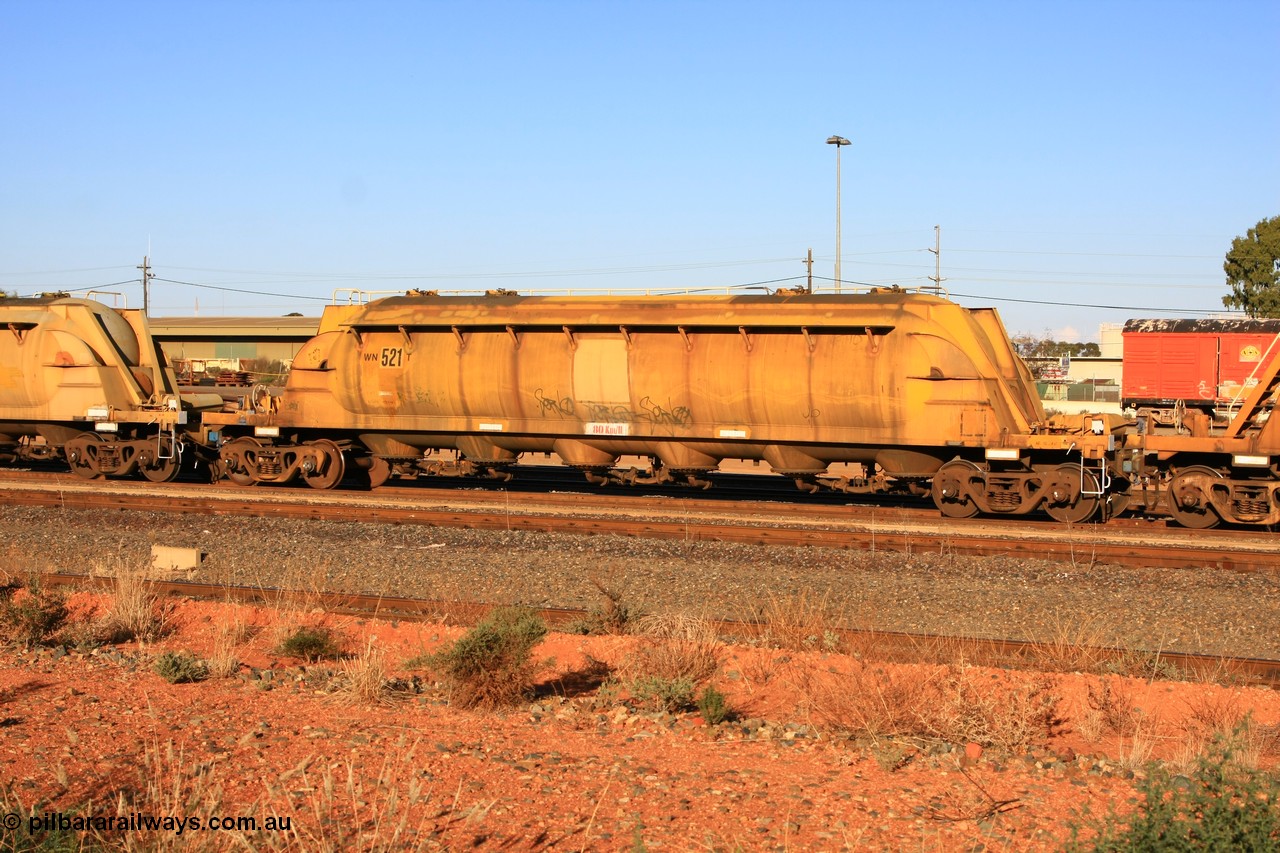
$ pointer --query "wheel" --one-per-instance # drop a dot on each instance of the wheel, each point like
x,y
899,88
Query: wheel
x,y
164,468
1069,504
332,466
951,489
238,457
1188,503
82,455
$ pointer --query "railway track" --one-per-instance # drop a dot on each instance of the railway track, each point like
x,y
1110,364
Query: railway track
x,y
900,528
890,646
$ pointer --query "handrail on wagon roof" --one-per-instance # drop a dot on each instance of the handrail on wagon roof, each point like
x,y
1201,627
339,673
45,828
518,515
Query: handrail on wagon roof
x,y
356,296
115,303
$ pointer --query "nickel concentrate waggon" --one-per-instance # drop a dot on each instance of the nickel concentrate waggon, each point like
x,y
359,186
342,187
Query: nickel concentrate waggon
x,y
883,390
87,383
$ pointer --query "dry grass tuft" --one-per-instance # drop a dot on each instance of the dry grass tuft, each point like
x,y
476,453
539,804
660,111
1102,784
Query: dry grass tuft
x,y
674,647
1073,646
1007,715
232,633
1111,710
169,784
1220,717
347,811
955,704
1136,749
363,679
802,622
871,702
1216,713
136,611
612,616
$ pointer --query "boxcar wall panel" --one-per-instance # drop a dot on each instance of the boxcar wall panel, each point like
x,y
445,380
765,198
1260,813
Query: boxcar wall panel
x,y
1241,355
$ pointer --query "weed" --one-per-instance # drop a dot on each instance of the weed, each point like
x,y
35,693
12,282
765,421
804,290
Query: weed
x,y
1220,712
612,616
1110,709
136,612
1006,716
1135,751
30,614
169,784
311,643
18,836
801,623
664,694
951,704
1220,805
181,667
1149,665
714,706
364,678
223,662
492,665
1073,646
675,649
871,702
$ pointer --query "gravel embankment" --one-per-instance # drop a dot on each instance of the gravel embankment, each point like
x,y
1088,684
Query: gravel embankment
x,y
1206,611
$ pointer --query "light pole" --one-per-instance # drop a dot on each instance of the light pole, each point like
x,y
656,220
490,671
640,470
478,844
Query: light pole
x,y
838,142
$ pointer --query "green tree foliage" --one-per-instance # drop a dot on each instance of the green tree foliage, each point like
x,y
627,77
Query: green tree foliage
x,y
1039,351
1253,270
1029,346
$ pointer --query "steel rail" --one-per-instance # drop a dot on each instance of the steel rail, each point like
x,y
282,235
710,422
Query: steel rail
x,y
735,523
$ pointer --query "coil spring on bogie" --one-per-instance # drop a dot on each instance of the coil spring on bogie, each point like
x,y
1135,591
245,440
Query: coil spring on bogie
x,y
270,467
1006,500
1245,508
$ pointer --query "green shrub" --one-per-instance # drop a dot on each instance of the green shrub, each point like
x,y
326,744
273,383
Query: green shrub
x,y
31,615
664,694
1221,806
714,706
181,667
311,643
492,664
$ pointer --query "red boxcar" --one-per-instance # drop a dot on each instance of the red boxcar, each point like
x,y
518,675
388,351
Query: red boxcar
x,y
1197,364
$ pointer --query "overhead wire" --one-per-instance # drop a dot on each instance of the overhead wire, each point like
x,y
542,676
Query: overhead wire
x,y
709,288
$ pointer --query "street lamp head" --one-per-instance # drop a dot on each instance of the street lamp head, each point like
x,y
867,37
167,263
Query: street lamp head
x,y
837,140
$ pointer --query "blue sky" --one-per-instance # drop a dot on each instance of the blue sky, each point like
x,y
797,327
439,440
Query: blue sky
x,y
1074,154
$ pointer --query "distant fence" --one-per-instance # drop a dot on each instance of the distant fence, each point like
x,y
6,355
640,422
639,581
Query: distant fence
x,y
1079,392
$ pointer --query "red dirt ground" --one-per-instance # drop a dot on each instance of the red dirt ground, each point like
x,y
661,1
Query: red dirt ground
x,y
575,772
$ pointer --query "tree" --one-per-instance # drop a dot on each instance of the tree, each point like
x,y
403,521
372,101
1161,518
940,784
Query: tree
x,y
1253,270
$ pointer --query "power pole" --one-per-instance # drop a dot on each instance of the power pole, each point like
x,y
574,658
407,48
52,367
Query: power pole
x,y
808,262
146,282
937,278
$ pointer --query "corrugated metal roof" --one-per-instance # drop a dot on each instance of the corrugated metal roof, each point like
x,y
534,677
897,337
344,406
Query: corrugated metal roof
x,y
1202,326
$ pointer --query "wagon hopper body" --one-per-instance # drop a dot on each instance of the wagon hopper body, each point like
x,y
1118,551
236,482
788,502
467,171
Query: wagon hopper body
x,y
903,383
86,382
